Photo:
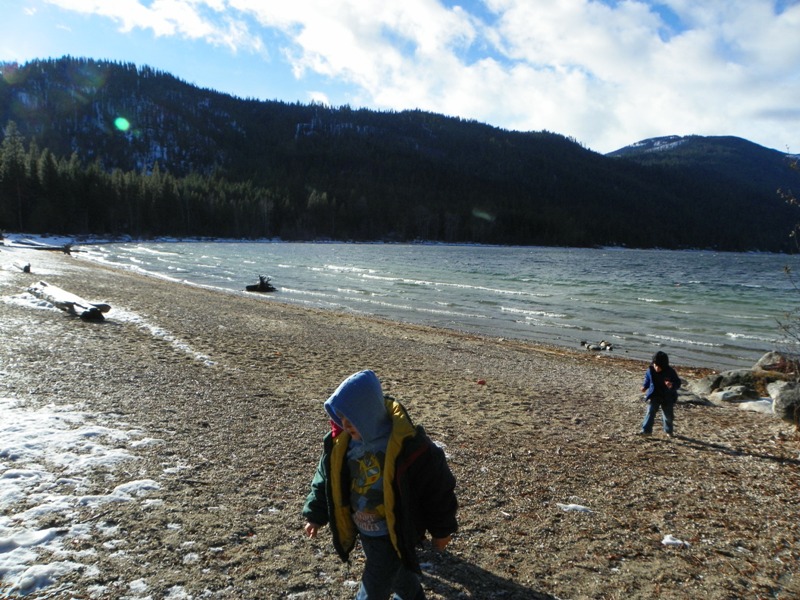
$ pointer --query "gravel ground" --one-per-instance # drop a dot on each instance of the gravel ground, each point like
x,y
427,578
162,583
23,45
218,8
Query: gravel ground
x,y
232,386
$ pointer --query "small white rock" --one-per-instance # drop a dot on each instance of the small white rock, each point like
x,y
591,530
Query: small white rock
x,y
573,508
670,540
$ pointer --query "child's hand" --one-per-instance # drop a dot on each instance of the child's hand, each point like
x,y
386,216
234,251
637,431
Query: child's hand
x,y
440,544
311,529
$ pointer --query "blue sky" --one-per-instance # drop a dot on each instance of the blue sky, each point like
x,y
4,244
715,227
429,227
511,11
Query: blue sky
x,y
607,73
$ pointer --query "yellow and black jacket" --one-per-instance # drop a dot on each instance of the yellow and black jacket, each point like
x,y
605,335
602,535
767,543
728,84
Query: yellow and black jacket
x,y
419,489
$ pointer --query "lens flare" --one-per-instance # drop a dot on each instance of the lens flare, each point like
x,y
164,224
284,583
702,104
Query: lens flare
x,y
482,214
122,124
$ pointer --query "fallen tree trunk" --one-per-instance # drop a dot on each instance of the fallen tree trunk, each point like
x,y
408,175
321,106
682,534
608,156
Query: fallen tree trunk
x,y
69,302
35,245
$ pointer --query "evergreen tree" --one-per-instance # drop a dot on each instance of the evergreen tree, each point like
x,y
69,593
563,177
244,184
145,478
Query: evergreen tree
x,y
14,179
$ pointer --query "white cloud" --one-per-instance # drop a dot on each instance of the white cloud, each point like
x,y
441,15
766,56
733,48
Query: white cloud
x,y
380,47
317,97
607,73
189,19
615,79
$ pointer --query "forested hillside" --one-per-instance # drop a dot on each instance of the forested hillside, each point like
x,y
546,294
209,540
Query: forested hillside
x,y
116,149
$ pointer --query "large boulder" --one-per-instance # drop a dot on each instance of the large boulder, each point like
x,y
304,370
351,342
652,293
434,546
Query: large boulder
x,y
740,377
705,385
719,381
774,372
775,361
686,396
733,393
762,405
785,400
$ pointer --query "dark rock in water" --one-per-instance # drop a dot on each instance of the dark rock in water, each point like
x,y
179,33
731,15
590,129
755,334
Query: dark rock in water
x,y
263,285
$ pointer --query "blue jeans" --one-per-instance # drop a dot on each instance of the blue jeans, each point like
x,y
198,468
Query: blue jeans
x,y
667,414
385,573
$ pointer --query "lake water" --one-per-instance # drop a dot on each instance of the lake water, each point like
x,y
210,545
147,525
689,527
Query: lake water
x,y
717,310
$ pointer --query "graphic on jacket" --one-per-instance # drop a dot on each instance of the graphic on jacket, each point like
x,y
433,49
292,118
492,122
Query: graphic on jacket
x,y
366,472
366,493
417,488
360,400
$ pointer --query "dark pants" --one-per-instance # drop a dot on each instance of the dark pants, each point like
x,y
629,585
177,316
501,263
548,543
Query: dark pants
x,y
385,573
667,414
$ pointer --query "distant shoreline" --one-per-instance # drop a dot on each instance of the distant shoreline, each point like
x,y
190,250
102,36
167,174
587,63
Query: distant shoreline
x,y
81,240
606,357
695,358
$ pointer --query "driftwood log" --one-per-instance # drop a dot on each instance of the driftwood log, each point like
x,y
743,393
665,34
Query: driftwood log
x,y
34,245
69,302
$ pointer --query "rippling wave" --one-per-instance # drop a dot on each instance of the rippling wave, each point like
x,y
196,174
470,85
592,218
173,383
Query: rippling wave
x,y
719,310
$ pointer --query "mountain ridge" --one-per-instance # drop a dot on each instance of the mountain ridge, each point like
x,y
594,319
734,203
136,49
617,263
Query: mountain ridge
x,y
357,174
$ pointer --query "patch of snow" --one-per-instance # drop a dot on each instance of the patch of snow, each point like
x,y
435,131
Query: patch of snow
x,y
47,458
670,143
138,587
28,300
122,315
177,592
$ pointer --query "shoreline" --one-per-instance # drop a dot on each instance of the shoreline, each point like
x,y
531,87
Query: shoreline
x,y
229,391
688,353
695,371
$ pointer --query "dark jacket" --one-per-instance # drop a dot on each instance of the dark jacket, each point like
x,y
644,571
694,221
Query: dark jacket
x,y
655,386
419,489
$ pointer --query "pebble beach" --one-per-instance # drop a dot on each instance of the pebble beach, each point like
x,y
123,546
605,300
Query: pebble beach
x,y
559,498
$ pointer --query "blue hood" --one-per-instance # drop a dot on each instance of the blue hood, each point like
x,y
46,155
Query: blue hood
x,y
359,398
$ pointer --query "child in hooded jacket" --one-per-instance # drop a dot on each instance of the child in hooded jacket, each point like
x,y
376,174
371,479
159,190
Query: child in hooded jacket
x,y
661,384
382,479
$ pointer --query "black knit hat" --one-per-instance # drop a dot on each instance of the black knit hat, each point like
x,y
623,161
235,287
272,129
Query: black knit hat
x,y
661,359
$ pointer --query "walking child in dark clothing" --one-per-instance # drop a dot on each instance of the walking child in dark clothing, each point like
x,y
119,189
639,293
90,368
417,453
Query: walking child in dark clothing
x,y
381,479
661,384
